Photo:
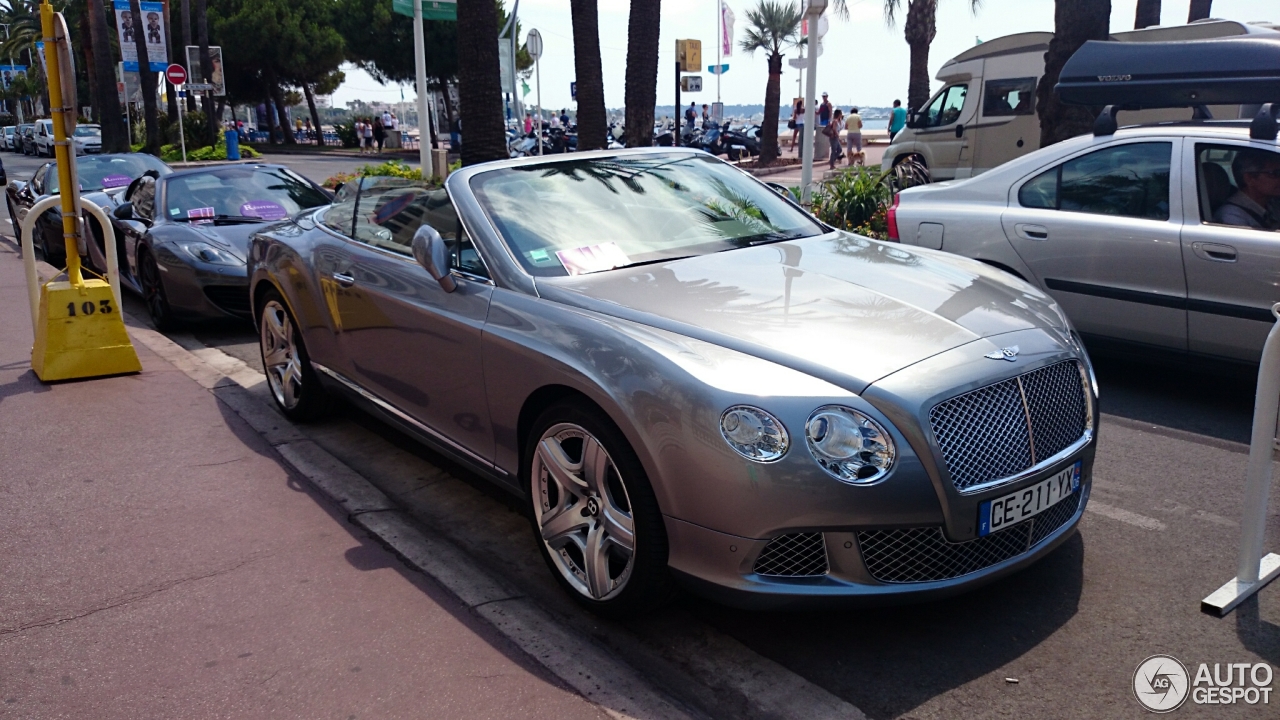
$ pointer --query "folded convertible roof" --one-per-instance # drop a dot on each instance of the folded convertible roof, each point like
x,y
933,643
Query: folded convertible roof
x,y
1242,70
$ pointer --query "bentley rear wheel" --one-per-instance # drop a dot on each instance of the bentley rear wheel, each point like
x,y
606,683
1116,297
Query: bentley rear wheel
x,y
594,513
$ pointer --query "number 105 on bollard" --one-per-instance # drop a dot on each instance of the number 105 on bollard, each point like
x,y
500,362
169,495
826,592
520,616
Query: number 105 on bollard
x,y
80,333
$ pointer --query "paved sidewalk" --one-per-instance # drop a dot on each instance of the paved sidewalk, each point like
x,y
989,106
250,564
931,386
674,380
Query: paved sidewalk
x,y
157,561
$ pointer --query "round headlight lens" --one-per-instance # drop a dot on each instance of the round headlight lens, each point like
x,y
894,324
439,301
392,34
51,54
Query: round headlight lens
x,y
849,445
754,433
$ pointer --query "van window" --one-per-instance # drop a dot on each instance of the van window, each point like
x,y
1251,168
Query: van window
x,y
1129,180
1009,96
945,109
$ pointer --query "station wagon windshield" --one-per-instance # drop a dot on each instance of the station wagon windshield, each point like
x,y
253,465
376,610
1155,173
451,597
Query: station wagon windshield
x,y
581,216
109,171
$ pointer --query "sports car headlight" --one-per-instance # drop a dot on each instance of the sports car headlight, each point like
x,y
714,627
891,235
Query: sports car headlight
x,y
850,446
754,433
204,252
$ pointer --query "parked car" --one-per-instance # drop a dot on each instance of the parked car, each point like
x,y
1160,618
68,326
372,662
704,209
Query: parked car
x,y
1125,228
43,137
26,139
197,224
985,112
7,135
88,139
688,378
102,179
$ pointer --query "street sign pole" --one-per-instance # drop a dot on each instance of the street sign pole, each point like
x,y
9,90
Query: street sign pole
x,y
177,76
533,42
814,10
420,63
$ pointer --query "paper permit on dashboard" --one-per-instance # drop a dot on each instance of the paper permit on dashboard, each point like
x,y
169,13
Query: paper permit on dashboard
x,y
592,258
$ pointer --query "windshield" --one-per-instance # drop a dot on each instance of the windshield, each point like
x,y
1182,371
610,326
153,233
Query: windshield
x,y
581,216
261,193
88,131
104,172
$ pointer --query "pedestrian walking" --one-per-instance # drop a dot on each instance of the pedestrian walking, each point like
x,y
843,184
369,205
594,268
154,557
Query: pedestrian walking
x,y
691,116
564,118
853,137
555,120
897,119
706,117
379,133
832,131
797,121
368,135
528,123
824,112
358,126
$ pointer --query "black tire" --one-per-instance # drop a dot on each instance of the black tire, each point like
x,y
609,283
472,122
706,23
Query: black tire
x,y
646,583
54,255
305,399
153,293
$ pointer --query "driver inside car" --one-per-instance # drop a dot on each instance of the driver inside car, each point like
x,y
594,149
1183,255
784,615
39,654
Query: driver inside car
x,y
1257,175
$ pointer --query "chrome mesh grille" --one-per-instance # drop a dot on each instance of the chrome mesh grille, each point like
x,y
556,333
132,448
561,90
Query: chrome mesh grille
x,y
983,434
794,555
925,555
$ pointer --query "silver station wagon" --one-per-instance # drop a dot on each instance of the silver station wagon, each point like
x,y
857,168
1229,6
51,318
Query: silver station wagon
x,y
689,379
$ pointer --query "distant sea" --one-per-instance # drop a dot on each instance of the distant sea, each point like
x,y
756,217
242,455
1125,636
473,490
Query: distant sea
x,y
867,124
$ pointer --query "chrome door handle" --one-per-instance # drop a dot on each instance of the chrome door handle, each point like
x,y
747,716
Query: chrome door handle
x,y
1032,232
344,280
1214,252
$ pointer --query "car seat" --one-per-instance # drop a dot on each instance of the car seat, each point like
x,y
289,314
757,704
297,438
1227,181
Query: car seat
x,y
1217,187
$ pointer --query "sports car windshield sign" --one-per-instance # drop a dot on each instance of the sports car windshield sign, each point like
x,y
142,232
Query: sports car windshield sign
x,y
153,35
264,209
115,181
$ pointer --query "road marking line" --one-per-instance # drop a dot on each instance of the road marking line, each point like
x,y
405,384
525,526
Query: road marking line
x,y
1125,516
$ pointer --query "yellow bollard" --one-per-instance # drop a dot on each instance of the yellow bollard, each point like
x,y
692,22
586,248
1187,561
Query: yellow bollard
x,y
79,330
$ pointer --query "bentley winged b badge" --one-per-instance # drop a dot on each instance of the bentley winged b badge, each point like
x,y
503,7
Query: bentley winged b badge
x,y
1009,353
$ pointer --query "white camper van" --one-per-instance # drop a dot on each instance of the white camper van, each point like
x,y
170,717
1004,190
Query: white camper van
x,y
985,113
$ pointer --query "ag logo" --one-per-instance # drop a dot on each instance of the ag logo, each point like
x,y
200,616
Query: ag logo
x,y
1161,683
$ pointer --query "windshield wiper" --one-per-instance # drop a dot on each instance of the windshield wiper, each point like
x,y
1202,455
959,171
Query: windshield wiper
x,y
653,262
223,219
773,237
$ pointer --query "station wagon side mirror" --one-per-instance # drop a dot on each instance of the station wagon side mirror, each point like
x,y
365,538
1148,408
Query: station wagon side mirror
x,y
431,254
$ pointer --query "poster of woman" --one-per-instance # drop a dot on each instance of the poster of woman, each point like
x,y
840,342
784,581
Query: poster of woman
x,y
216,78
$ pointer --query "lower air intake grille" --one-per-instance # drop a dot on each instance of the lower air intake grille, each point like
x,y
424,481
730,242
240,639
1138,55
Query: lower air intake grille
x,y
233,299
925,555
794,555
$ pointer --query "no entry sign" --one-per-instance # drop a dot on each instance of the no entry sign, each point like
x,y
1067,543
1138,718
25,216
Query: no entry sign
x,y
176,74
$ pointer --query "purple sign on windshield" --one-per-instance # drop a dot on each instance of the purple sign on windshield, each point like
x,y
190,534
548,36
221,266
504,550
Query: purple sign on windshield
x,y
264,209
115,181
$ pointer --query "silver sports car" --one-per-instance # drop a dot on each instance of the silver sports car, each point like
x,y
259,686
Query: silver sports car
x,y
689,379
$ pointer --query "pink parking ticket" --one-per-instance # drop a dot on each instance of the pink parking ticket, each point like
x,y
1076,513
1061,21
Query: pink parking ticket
x,y
592,258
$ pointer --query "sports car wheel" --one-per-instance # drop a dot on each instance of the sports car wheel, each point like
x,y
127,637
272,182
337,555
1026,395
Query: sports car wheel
x,y
153,292
594,514
53,254
294,385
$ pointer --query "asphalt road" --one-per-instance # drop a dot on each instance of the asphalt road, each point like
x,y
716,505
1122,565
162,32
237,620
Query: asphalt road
x,y
1061,639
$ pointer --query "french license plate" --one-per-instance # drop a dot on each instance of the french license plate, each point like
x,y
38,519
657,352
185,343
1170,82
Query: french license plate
x,y
997,514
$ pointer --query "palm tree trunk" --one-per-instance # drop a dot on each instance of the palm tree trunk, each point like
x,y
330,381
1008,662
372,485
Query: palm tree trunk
x,y
1074,22
919,31
149,111
586,60
86,47
643,27
769,126
206,70
187,40
315,114
114,135
1148,14
479,84
1200,10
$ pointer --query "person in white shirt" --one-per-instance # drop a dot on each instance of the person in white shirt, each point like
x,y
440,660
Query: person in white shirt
x,y
359,128
555,121
386,118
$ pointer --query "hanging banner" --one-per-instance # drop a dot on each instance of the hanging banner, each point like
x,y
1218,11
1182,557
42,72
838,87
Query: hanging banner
x,y
197,81
431,9
726,29
8,73
152,26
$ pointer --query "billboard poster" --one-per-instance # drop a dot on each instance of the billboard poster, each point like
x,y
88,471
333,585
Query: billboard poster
x,y
9,72
152,25
196,80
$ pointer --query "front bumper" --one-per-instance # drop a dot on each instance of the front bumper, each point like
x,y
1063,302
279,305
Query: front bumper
x,y
197,290
724,567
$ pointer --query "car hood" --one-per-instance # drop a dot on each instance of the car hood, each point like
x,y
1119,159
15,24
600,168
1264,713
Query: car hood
x,y
839,307
234,236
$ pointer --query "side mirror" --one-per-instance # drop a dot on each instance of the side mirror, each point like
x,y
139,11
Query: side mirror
x,y
123,211
430,252
960,130
781,189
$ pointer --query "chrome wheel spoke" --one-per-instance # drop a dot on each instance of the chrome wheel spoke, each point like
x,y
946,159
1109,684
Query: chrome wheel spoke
x,y
557,528
595,465
276,357
563,470
618,526
596,557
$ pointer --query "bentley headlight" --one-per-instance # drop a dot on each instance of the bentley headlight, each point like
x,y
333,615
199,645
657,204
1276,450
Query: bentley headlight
x,y
849,445
754,433
204,252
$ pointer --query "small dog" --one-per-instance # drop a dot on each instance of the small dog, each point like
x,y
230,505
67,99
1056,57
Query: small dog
x,y
858,157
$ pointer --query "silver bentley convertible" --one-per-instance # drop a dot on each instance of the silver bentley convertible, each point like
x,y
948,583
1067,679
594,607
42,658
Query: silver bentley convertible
x,y
689,379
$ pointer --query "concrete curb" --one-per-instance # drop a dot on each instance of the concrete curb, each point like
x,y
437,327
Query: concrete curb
x,y
592,669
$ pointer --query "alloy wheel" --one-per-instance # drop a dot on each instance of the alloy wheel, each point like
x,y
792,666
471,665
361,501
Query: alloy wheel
x,y
582,511
280,355
153,292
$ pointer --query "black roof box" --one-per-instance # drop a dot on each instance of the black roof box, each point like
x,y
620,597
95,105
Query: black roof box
x,y
1243,70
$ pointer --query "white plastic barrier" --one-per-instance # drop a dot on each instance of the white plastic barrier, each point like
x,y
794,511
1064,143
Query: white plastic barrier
x,y
1256,570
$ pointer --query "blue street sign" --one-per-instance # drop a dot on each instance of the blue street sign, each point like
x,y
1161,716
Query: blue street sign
x,y
718,69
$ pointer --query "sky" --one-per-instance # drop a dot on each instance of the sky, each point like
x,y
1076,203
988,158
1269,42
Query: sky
x,y
864,61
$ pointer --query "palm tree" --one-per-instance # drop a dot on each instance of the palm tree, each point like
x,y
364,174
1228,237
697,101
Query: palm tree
x,y
642,70
206,68
1074,22
771,26
1148,14
586,60
114,135
149,111
919,30
479,83
1200,10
